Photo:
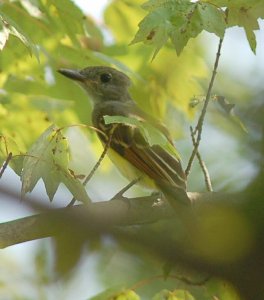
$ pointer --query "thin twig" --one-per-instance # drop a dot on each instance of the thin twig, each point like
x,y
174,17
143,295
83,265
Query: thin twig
x,y
96,166
5,164
199,126
205,171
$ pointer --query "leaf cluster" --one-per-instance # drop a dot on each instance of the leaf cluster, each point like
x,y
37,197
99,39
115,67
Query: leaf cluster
x,y
181,20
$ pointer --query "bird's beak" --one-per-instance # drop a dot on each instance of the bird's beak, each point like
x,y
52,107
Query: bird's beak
x,y
72,74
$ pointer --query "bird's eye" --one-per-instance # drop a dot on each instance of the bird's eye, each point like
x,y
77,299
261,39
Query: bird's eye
x,y
105,77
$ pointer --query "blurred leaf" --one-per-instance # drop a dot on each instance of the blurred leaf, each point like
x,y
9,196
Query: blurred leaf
x,y
227,107
174,295
126,295
4,35
69,17
68,250
229,110
107,294
41,262
48,104
116,293
48,159
10,27
93,38
118,18
32,8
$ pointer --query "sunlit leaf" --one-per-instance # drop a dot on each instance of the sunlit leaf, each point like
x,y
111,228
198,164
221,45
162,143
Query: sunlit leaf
x,y
178,21
245,14
48,159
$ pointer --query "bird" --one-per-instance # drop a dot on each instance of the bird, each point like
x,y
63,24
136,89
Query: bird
x,y
156,166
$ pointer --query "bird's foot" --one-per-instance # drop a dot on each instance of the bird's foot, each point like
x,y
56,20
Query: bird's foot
x,y
120,194
158,198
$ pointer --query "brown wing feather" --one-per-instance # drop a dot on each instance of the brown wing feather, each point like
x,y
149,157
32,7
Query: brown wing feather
x,y
153,161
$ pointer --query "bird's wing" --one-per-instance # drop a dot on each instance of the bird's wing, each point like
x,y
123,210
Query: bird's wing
x,y
160,163
155,161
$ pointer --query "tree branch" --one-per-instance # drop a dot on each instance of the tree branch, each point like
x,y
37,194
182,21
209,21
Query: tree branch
x,y
93,216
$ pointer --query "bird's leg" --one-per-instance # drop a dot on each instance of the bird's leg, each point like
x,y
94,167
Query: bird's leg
x,y
126,188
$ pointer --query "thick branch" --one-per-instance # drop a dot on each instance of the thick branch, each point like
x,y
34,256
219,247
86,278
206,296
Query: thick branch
x,y
94,216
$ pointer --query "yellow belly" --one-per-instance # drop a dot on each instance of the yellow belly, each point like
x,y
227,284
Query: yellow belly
x,y
129,171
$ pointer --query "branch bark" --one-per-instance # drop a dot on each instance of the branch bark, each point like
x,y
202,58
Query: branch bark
x,y
99,216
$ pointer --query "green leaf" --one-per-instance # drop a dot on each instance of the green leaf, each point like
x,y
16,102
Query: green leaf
x,y
154,29
48,159
244,18
9,27
69,17
118,17
213,19
154,4
245,14
179,21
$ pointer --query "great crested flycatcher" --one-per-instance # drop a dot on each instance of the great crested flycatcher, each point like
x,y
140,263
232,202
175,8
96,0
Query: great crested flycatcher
x,y
129,150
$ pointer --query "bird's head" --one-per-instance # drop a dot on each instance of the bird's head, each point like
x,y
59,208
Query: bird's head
x,y
101,83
